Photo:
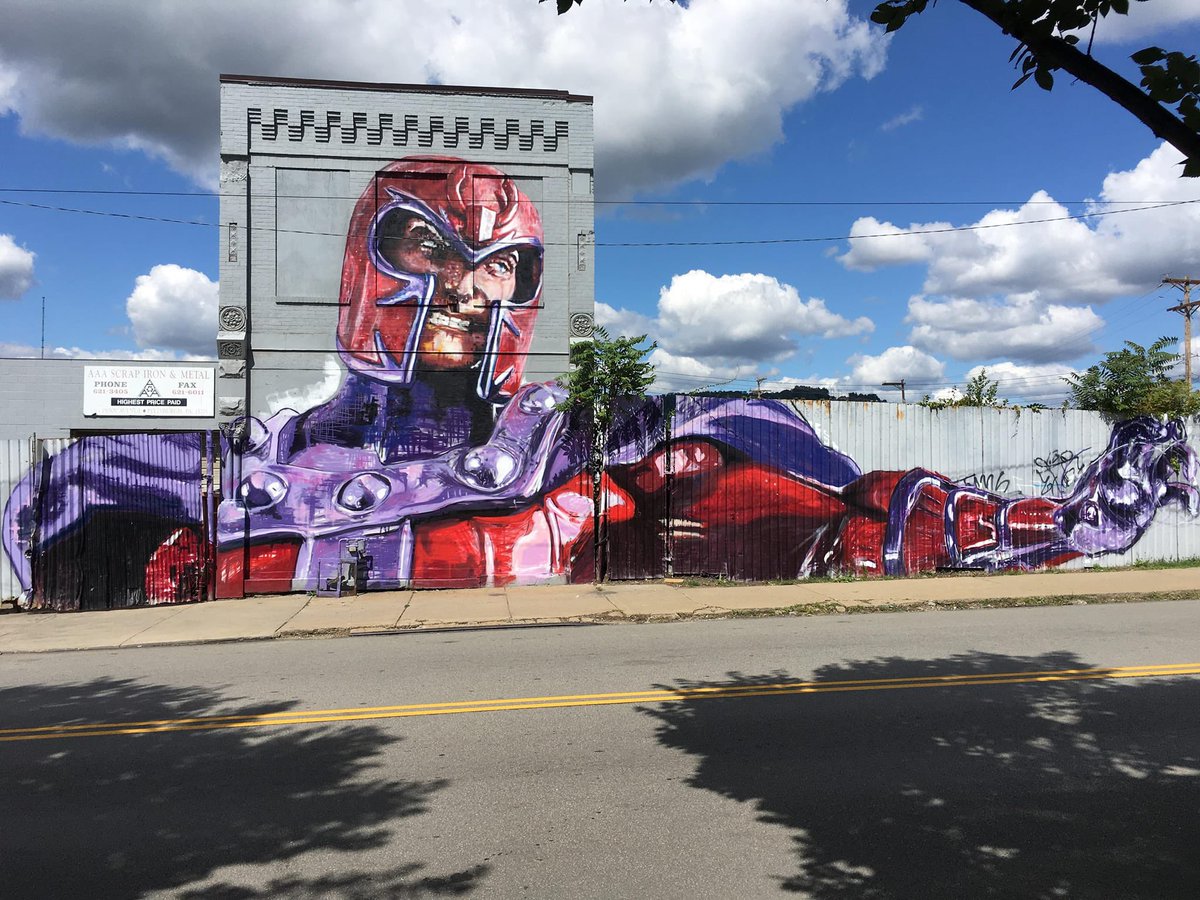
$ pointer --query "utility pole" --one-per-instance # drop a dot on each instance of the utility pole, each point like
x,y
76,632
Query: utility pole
x,y
899,384
758,390
1185,309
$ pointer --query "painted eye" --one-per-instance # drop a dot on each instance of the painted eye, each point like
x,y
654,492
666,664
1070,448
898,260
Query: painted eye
x,y
1090,513
422,239
501,265
410,243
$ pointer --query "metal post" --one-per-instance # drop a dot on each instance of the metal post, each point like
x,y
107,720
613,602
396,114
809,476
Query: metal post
x,y
1185,308
899,384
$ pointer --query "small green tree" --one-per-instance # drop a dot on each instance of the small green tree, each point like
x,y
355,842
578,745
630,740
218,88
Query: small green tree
x,y
1135,381
603,371
981,391
606,374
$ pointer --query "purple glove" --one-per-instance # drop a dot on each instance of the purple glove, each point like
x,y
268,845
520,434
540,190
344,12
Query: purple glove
x,y
1147,465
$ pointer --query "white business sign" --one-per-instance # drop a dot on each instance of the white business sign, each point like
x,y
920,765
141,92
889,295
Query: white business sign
x,y
148,391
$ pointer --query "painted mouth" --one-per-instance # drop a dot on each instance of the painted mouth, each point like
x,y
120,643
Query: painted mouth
x,y
449,321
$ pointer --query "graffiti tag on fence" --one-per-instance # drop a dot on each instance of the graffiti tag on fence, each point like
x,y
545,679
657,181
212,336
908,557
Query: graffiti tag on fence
x,y
1057,471
996,482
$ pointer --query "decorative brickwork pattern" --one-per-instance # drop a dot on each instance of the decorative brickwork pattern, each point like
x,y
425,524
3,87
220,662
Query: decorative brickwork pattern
x,y
411,131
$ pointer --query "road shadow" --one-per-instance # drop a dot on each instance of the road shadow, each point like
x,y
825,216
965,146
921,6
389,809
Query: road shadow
x,y
125,815
1042,790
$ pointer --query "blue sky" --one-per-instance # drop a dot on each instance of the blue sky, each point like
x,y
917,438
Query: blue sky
x,y
773,123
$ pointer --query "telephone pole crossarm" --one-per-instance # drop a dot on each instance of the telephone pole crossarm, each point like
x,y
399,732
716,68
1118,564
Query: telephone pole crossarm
x,y
1186,308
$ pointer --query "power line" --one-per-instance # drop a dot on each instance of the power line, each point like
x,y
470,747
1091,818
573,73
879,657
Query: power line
x,y
895,234
705,380
631,244
209,195
1018,380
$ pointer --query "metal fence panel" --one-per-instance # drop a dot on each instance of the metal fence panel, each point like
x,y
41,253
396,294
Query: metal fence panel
x,y
736,511
15,459
119,522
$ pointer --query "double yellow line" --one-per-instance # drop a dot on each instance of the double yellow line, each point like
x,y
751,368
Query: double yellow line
x,y
765,689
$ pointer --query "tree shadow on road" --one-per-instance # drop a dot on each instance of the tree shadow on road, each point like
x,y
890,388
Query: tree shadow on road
x,y
1065,789
125,815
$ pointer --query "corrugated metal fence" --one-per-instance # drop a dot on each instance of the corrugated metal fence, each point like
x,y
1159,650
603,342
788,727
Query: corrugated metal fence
x,y
124,520
745,489
736,514
16,456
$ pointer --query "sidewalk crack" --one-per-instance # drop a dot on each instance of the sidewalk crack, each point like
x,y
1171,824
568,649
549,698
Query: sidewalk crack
x,y
300,609
154,624
407,604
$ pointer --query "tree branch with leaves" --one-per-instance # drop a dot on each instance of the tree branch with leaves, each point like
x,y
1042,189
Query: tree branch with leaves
x,y
1048,34
1135,381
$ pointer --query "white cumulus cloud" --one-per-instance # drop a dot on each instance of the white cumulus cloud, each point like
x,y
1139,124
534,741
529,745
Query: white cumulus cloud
x,y
1037,247
1019,287
16,268
28,351
1026,384
1145,20
174,308
727,326
686,373
910,364
1020,327
875,244
661,73
624,322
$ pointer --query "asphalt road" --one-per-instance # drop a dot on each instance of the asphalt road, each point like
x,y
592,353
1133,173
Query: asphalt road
x,y
872,781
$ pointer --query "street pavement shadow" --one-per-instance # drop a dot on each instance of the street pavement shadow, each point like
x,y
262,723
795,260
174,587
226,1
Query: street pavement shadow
x,y
1041,790
124,816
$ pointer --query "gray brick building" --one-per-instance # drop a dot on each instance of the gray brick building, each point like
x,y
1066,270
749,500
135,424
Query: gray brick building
x,y
297,155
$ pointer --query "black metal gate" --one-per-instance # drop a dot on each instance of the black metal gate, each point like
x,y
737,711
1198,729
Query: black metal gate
x,y
124,520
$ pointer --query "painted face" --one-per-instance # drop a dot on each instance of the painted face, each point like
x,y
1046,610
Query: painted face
x,y
455,333
442,272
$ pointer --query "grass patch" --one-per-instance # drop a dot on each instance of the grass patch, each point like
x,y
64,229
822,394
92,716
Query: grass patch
x,y
1167,564
699,581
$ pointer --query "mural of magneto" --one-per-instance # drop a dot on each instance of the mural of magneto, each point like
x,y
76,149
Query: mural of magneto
x,y
436,465
746,489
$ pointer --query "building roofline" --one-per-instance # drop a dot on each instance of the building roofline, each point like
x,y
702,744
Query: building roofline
x,y
533,93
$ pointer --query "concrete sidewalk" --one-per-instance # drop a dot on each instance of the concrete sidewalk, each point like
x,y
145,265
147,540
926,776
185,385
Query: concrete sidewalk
x,y
299,615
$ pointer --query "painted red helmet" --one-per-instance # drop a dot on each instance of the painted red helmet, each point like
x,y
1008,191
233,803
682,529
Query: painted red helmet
x,y
443,269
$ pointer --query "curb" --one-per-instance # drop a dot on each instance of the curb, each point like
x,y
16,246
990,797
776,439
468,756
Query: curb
x,y
700,614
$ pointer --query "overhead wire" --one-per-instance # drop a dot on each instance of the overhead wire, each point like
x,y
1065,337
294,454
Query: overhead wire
x,y
737,242
628,244
700,202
